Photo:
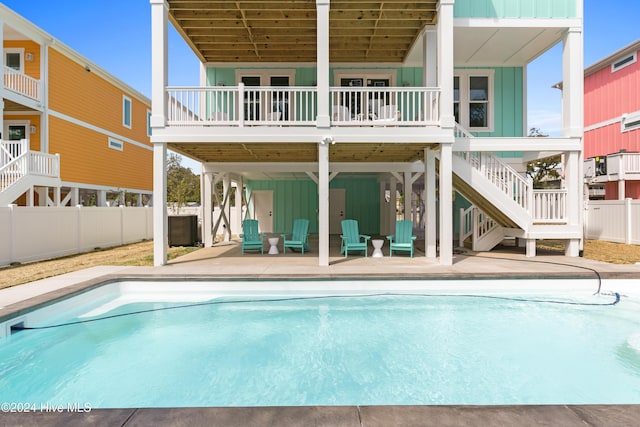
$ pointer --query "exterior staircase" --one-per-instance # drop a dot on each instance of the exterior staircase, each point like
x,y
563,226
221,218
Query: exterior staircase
x,y
505,204
22,169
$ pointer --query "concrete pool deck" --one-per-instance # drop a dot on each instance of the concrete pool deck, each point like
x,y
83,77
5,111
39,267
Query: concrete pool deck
x,y
224,261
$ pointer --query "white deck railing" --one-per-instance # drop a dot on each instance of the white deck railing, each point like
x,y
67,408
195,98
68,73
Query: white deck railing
x,y
474,223
22,84
504,177
297,106
550,206
16,161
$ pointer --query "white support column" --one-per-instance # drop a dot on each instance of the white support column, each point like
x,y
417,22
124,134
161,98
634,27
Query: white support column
x,y
407,189
430,64
226,191
160,220
323,204
530,247
207,207
75,196
239,191
430,237
322,48
384,221
44,98
101,198
445,62
393,202
572,83
446,200
159,62
574,203
43,195
622,191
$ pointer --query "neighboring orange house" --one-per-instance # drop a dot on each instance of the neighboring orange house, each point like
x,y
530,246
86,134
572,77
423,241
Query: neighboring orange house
x,y
71,132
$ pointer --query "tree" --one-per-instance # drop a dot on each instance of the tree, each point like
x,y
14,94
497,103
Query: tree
x,y
543,171
183,185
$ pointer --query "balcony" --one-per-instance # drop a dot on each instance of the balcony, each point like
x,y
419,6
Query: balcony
x,y
613,167
22,84
241,106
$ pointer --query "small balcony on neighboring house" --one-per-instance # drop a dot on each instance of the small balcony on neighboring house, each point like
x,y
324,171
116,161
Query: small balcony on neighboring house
x,y
242,105
617,167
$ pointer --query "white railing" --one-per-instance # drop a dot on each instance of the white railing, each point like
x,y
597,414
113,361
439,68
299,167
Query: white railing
x,y
475,223
550,206
22,84
27,162
460,132
220,105
408,106
297,106
504,177
9,150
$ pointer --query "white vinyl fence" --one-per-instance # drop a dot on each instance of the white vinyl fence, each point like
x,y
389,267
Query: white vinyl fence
x,y
36,233
614,221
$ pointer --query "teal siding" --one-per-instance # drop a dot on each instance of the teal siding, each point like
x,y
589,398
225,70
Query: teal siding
x,y
299,199
515,8
362,200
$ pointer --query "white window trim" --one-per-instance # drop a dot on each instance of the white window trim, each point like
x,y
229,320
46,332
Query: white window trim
x,y
25,123
149,123
19,50
364,74
631,118
465,76
634,59
116,144
125,98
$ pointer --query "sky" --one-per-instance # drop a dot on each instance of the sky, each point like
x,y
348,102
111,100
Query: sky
x,y
116,35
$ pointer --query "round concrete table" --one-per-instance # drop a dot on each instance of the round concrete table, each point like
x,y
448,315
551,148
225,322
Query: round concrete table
x,y
273,241
377,248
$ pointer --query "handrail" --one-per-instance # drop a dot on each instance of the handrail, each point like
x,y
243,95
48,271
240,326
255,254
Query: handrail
x,y
29,163
22,84
500,174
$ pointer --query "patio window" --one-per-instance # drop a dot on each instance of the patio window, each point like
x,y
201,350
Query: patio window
x,y
126,111
13,58
473,99
630,121
624,62
148,122
115,144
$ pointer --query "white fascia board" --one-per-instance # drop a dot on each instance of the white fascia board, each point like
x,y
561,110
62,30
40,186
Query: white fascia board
x,y
532,156
518,144
86,186
518,23
266,135
313,167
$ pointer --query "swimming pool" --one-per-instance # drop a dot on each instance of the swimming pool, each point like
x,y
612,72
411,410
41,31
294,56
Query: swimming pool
x,y
186,344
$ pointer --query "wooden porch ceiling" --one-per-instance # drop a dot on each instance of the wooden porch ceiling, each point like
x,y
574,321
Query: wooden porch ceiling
x,y
285,30
303,152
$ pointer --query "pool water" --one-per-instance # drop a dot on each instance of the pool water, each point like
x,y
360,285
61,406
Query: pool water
x,y
348,350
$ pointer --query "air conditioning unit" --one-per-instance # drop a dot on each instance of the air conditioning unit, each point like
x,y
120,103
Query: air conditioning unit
x,y
601,165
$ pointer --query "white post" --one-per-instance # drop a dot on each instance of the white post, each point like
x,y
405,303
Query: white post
x,y
622,191
393,203
429,63
159,62
445,63
382,186
407,195
322,47
207,205
574,202
446,200
239,191
628,220
160,220
226,206
323,204
430,242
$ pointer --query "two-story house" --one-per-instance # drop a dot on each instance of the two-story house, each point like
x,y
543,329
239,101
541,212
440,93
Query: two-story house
x,y
612,125
71,132
330,109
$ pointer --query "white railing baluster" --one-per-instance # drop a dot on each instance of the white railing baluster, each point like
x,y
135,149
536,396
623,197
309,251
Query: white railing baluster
x,y
22,84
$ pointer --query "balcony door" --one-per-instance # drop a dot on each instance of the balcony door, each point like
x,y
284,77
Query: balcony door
x,y
16,130
367,102
271,104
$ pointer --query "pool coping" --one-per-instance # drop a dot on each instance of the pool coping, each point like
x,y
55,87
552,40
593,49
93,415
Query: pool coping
x,y
341,416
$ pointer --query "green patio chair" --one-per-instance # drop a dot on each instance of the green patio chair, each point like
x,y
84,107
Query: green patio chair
x,y
352,240
299,236
403,239
251,238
